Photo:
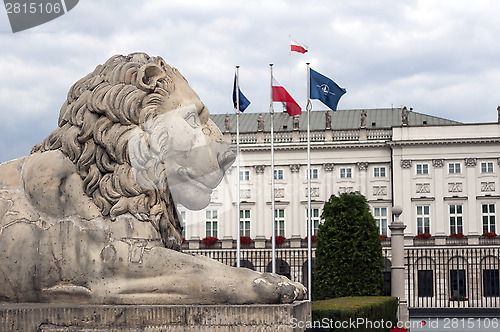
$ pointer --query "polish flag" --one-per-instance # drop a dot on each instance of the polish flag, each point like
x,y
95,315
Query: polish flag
x,y
297,47
281,95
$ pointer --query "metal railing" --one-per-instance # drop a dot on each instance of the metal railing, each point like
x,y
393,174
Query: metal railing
x,y
435,278
290,262
449,277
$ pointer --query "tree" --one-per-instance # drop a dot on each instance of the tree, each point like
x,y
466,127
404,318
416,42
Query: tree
x,y
348,252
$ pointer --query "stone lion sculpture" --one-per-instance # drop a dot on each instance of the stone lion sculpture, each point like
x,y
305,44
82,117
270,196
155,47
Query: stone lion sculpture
x,y
90,215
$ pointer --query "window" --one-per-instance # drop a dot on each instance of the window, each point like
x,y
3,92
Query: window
x,y
345,173
458,282
183,224
487,167
425,283
244,175
379,172
491,283
245,223
488,214
211,223
315,220
423,219
278,174
456,219
422,169
279,222
387,283
454,168
380,214
314,173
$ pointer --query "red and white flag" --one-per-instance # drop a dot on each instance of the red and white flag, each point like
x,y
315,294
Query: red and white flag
x,y
281,95
297,47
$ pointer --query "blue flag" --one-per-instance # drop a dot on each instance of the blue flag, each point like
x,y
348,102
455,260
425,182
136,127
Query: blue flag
x,y
244,102
324,89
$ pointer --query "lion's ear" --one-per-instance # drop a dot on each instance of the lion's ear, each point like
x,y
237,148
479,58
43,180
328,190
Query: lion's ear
x,y
148,75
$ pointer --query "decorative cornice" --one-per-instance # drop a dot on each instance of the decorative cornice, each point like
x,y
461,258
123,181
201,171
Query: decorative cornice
x,y
362,166
438,163
470,162
405,163
487,197
295,168
259,169
314,146
329,167
445,141
455,198
422,199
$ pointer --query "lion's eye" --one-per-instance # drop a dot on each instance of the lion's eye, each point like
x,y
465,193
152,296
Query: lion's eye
x,y
193,120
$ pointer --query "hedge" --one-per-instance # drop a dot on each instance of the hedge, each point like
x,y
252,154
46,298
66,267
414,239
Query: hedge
x,y
368,312
348,253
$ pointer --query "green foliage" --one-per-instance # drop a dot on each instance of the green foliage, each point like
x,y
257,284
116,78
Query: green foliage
x,y
348,253
346,309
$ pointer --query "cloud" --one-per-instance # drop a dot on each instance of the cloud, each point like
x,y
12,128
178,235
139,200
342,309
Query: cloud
x,y
441,57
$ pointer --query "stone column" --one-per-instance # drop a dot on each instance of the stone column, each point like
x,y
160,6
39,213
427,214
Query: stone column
x,y
470,185
398,268
439,228
363,178
329,180
297,218
260,206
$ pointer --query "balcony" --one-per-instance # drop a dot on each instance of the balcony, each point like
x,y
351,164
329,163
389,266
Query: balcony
x,y
336,135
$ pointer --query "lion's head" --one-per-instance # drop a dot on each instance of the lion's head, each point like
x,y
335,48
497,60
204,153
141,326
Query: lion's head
x,y
141,141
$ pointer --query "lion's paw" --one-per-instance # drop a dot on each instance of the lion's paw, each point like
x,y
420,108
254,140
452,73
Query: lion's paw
x,y
277,288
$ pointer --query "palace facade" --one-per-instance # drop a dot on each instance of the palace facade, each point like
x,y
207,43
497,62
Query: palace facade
x,y
444,174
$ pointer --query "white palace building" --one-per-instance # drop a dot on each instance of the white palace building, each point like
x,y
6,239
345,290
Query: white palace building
x,y
442,173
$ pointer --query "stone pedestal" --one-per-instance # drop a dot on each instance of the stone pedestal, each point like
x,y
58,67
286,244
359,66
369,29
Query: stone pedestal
x,y
31,317
227,137
295,241
398,268
363,134
227,242
328,135
260,242
194,243
260,137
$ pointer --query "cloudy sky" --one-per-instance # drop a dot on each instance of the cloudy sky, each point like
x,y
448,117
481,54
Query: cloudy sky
x,y
440,57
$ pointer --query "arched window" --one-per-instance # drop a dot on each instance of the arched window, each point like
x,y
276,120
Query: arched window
x,y
282,268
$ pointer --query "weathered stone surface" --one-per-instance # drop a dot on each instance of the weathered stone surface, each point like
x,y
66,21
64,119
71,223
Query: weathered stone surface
x,y
142,318
90,215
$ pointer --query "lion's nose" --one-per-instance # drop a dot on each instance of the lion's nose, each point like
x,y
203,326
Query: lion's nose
x,y
225,159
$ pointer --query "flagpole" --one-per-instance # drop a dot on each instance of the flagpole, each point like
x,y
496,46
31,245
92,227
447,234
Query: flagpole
x,y
273,234
309,226
238,226
290,62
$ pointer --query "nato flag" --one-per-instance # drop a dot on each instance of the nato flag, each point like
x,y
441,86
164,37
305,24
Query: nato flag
x,y
324,89
244,102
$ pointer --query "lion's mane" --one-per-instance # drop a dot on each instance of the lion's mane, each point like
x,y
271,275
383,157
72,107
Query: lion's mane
x,y
101,111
